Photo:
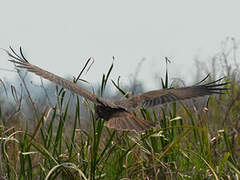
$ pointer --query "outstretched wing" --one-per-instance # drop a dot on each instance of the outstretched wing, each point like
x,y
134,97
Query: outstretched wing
x,y
158,97
21,62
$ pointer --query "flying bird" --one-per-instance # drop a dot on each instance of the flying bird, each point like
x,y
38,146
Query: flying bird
x,y
118,114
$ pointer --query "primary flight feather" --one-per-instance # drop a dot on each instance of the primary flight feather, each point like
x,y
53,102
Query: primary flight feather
x,y
118,113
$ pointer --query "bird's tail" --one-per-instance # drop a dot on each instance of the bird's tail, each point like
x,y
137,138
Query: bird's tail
x,y
126,121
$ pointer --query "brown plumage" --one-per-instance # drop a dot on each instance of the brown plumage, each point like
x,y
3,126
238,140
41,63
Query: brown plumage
x,y
118,113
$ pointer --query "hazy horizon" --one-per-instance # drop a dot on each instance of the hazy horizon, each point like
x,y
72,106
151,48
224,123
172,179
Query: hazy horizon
x,y
60,36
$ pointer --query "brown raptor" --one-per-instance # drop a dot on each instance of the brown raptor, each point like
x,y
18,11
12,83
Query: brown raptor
x,y
118,113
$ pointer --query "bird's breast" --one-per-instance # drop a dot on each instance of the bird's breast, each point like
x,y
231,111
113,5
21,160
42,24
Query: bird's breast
x,y
107,112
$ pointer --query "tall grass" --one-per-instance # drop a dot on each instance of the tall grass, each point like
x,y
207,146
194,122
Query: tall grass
x,y
187,143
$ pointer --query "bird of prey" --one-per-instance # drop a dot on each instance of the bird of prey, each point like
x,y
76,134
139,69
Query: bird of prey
x,y
118,114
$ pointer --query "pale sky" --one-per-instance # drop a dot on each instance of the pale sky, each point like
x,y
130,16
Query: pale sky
x,y
60,36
